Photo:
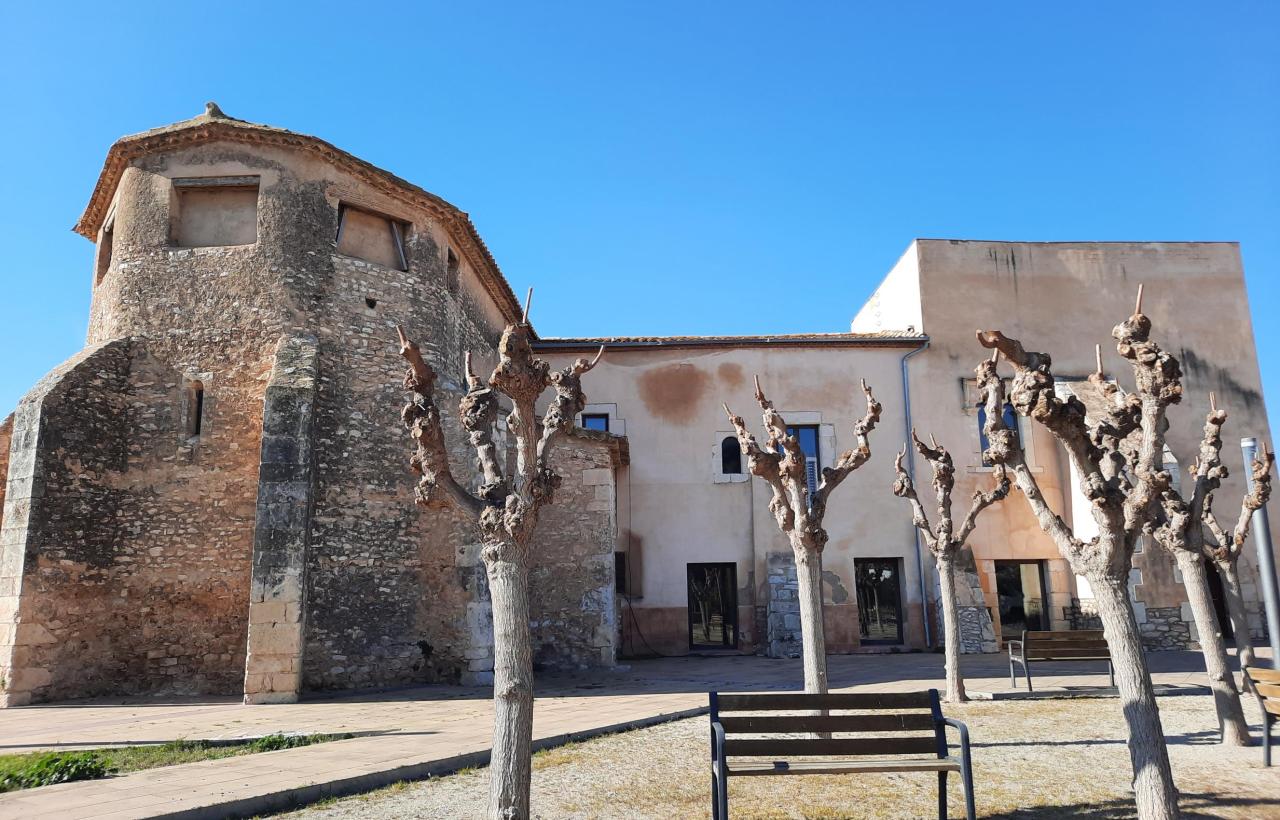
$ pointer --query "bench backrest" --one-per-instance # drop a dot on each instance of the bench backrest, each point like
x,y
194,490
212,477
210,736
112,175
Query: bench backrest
x,y
1266,682
1075,643
891,723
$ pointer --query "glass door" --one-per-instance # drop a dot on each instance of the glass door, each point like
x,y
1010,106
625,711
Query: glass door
x,y
879,583
713,606
1023,603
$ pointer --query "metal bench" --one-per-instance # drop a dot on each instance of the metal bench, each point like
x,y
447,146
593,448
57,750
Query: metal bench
x,y
895,732
1072,645
1266,685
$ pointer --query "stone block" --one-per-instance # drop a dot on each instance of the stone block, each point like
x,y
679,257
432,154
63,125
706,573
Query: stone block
x,y
601,475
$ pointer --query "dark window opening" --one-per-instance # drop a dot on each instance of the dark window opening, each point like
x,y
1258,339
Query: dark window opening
x,y
596,421
713,606
620,572
1010,417
879,584
1020,593
370,302
453,276
105,248
1218,595
195,409
807,435
730,456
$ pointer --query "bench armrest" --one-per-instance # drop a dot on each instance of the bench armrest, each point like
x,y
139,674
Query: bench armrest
x,y
964,737
717,742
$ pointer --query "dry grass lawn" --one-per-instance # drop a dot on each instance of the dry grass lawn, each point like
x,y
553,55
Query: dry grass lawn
x,y
1032,759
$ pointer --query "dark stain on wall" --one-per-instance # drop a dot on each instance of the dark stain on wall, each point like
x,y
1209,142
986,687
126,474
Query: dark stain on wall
x,y
673,392
730,373
1203,371
838,592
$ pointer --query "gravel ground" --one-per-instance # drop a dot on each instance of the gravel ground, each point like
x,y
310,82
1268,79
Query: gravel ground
x,y
1032,759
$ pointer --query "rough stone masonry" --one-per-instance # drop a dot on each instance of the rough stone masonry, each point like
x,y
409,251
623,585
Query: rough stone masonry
x,y
211,497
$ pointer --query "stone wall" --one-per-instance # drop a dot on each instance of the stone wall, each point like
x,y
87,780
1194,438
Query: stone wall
x,y
573,614
782,607
1165,628
977,632
126,545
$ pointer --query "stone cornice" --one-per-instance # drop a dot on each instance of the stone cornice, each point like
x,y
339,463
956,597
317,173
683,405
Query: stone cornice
x,y
214,126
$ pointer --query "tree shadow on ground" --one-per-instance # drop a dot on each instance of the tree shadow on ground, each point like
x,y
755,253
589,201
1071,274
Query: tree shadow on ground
x,y
1192,805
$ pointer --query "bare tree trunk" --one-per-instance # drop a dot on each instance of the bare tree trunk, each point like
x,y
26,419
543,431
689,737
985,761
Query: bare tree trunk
x,y
951,629
1226,700
1235,610
1153,788
509,766
813,640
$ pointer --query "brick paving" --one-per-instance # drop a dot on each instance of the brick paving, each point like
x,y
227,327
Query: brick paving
x,y
411,733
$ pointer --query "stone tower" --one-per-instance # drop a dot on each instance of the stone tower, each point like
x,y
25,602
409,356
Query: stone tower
x,y
213,495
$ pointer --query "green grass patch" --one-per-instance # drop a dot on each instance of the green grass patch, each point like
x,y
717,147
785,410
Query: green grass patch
x,y
27,771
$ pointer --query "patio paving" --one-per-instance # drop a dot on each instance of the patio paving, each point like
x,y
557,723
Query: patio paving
x,y
410,733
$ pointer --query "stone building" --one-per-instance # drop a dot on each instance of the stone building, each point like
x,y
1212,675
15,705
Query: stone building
x,y
213,495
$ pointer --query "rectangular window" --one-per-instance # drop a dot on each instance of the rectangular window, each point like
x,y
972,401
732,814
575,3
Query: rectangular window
x,y
713,606
596,421
807,434
620,573
215,211
373,237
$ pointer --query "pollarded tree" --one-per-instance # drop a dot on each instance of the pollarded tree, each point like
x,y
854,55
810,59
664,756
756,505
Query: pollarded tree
x,y
1122,478
1182,534
1192,534
799,512
505,511
945,540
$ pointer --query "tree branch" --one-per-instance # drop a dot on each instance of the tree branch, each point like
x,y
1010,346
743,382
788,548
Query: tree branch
x,y
904,488
851,460
981,501
431,456
766,465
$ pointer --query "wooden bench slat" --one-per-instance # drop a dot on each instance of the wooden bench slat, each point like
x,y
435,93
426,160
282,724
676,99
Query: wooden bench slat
x,y
1268,690
1044,654
843,766
1261,674
786,747
1272,706
1051,646
1065,635
909,722
801,701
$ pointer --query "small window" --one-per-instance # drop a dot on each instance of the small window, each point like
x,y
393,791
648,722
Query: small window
x,y
195,408
370,302
620,573
372,237
1010,421
452,274
215,211
105,248
596,421
730,456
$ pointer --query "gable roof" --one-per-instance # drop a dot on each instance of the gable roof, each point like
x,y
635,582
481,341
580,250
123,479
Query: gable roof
x,y
213,125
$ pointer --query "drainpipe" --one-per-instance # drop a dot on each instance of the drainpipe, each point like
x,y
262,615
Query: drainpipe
x,y
911,472
1266,558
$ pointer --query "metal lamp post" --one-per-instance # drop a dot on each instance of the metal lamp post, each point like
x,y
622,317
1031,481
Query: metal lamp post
x,y
1266,558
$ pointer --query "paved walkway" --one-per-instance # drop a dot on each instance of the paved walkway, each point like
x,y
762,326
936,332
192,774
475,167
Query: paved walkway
x,y
412,733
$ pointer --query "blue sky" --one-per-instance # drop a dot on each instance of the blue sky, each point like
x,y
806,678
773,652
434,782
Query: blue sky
x,y
662,168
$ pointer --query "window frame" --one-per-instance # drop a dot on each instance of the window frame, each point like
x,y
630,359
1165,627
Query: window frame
x,y
595,416
397,226
241,182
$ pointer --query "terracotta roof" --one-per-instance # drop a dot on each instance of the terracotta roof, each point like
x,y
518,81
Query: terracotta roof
x,y
214,125
881,338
